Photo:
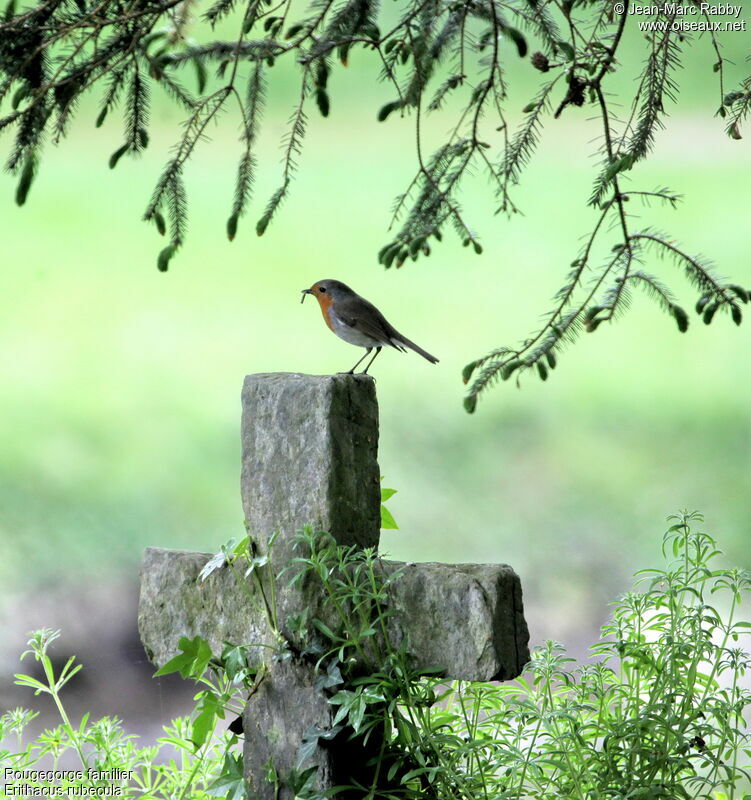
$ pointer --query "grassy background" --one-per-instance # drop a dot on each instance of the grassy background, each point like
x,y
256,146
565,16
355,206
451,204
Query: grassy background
x,y
120,386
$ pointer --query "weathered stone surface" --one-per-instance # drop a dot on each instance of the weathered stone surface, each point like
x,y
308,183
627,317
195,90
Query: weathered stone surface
x,y
285,706
467,619
174,603
464,619
309,457
288,711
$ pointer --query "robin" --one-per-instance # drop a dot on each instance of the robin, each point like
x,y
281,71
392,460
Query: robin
x,y
358,322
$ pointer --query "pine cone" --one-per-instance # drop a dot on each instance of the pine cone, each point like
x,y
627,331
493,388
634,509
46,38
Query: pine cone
x,y
540,61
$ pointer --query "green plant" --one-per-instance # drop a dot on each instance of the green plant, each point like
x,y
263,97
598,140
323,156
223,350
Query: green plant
x,y
191,760
658,713
387,519
246,563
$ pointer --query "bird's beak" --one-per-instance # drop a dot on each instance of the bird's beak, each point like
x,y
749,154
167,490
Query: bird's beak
x,y
304,292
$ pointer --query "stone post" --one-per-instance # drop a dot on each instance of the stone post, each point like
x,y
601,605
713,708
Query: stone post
x,y
309,457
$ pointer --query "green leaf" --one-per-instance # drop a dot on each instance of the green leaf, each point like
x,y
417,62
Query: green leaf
x,y
413,773
345,697
231,782
193,660
306,751
333,677
67,672
298,781
32,683
203,725
256,563
217,561
387,520
180,663
234,660
387,493
324,629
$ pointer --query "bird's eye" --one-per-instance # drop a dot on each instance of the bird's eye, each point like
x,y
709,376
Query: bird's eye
x,y
322,289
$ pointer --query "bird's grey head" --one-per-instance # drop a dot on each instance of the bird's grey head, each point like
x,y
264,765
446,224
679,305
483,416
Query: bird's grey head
x,y
328,290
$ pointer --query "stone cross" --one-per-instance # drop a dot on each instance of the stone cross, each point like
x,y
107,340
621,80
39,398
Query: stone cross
x,y
309,457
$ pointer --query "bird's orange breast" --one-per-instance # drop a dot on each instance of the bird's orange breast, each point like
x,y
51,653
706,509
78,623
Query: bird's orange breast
x,y
325,301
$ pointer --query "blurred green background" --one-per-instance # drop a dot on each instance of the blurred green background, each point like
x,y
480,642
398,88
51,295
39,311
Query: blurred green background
x,y
120,386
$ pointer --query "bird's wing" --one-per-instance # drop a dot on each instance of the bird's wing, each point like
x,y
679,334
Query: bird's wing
x,y
363,316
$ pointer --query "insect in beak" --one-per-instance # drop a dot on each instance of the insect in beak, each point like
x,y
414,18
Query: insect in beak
x,y
304,292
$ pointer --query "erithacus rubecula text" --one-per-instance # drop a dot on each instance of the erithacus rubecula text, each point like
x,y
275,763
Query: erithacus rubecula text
x,y
359,322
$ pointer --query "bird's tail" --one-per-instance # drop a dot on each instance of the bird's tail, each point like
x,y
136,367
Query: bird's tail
x,y
424,353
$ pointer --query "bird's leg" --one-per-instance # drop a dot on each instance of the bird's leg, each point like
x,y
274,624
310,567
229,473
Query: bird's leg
x,y
367,353
378,350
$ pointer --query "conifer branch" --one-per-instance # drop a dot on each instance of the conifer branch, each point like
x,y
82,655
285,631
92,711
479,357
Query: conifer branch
x,y
443,57
292,149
